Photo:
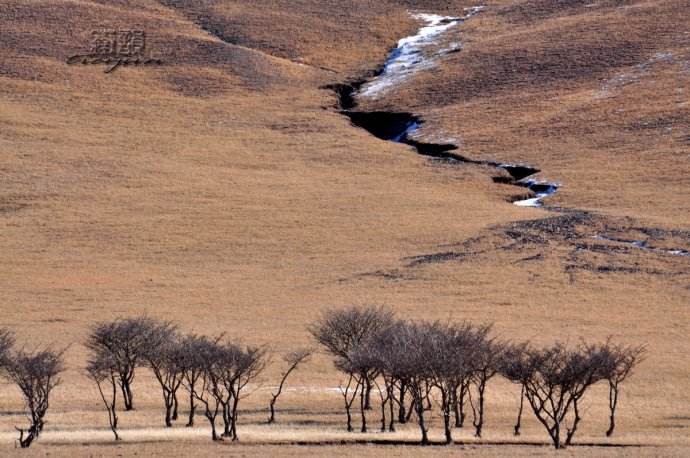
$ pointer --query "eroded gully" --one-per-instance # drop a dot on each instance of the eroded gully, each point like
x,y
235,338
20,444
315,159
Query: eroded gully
x,y
416,53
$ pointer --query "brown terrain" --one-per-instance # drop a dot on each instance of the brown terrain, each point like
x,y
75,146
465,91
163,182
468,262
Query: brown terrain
x,y
224,190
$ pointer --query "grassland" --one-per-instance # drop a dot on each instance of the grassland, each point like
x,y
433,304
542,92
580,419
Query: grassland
x,y
223,190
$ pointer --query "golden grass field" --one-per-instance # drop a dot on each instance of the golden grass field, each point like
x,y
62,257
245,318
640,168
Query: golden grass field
x,y
224,191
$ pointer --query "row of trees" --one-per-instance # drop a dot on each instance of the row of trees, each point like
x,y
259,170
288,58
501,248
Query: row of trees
x,y
412,364
213,372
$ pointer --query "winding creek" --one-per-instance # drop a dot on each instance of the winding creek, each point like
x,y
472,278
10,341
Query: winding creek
x,y
413,54
418,52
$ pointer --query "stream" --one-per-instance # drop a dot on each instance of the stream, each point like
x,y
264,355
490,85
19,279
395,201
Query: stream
x,y
412,54
418,52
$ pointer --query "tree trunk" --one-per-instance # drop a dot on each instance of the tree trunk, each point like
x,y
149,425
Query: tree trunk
x,y
460,407
391,423
227,421
127,396
479,421
214,434
516,432
168,415
402,415
419,407
192,408
175,405
555,433
362,406
571,431
367,398
446,407
272,416
233,416
613,401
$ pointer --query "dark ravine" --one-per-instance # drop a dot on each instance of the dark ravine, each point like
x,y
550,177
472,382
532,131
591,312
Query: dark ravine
x,y
399,126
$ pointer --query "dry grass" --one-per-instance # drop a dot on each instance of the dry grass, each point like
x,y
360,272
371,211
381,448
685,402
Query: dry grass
x,y
222,190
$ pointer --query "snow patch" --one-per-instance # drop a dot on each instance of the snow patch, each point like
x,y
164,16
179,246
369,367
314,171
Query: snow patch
x,y
642,245
541,188
411,53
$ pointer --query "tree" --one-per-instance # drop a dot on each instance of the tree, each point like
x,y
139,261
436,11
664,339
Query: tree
x,y
451,354
104,370
292,360
192,367
554,380
348,332
125,341
404,353
619,361
514,369
484,362
248,364
164,356
207,388
36,374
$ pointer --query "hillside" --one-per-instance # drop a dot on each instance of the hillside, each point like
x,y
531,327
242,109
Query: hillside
x,y
224,189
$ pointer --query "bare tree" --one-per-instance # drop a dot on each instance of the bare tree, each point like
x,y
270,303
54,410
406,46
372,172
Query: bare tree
x,y
451,351
485,360
554,381
125,341
36,374
517,371
619,361
103,370
292,360
192,368
348,332
404,352
164,356
248,365
206,357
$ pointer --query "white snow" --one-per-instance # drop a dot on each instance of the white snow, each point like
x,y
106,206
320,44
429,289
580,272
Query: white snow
x,y
642,245
537,201
410,57
533,202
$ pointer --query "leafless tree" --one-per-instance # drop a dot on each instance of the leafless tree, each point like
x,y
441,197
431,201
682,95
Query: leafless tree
x,y
618,361
103,370
555,379
192,367
124,341
292,360
242,366
405,354
164,355
207,357
36,374
485,361
347,333
512,368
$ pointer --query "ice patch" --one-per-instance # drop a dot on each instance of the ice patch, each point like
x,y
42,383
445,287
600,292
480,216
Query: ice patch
x,y
533,202
541,188
409,56
410,128
642,245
